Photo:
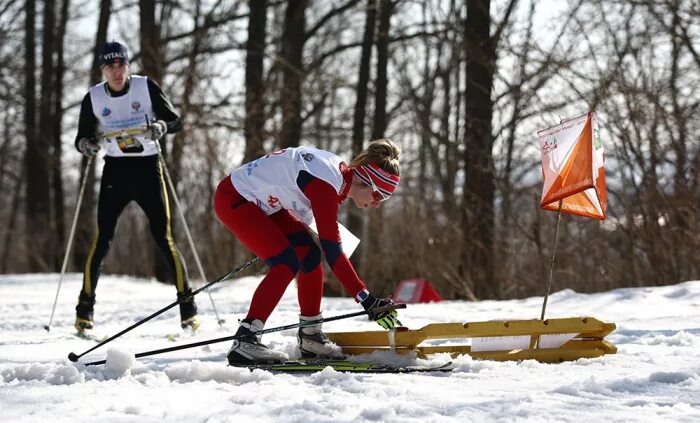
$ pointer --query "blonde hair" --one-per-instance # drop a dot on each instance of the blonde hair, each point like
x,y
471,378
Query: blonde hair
x,y
382,152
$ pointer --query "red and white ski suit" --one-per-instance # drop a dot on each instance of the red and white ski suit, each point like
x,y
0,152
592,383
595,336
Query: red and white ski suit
x,y
268,204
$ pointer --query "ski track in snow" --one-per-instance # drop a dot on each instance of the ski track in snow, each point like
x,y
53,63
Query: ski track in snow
x,y
655,376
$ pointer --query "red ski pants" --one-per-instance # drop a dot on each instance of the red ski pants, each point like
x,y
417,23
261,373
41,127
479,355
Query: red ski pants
x,y
267,237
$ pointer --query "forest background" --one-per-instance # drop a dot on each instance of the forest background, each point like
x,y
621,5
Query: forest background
x,y
460,85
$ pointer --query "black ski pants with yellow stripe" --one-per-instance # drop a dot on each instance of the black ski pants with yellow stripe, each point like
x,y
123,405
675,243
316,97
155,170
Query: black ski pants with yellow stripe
x,y
139,179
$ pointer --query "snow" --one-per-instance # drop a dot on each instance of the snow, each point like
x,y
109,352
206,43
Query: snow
x,y
655,376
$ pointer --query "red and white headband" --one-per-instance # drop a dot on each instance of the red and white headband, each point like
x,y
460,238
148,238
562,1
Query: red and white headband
x,y
379,179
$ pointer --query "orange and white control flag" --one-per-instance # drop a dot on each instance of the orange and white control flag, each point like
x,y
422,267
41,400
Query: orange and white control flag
x,y
573,167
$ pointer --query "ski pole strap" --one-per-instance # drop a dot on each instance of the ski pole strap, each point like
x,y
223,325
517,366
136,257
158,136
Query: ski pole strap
x,y
260,332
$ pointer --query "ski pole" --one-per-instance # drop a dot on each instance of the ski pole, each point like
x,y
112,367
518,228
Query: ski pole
x,y
551,262
257,333
189,235
74,357
70,239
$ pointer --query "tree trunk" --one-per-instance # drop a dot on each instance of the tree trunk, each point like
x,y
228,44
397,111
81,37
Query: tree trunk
x,y
84,231
254,124
179,139
58,194
5,146
151,54
355,222
152,65
36,160
46,127
292,72
374,251
46,111
7,241
515,117
380,116
683,214
478,193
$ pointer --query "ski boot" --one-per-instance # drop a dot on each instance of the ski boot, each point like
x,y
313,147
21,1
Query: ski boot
x,y
313,343
83,311
188,310
247,349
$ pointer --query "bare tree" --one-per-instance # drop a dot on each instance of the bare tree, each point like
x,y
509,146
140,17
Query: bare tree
x,y
36,162
478,197
374,260
355,222
46,128
292,72
199,41
84,231
255,90
479,189
151,52
57,157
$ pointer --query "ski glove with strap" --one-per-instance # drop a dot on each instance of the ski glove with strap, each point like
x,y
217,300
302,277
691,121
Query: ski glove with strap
x,y
158,129
88,146
386,319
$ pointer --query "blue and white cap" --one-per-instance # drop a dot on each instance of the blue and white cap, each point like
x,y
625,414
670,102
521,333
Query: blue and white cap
x,y
113,52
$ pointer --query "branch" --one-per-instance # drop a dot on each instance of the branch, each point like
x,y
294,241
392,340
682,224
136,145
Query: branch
x,y
334,12
496,38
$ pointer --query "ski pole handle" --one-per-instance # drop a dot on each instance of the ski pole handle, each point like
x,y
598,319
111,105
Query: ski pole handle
x,y
389,307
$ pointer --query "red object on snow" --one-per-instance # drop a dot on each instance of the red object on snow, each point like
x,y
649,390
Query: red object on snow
x,y
415,291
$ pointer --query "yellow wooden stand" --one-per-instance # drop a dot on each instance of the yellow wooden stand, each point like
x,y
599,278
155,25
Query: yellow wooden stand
x,y
548,341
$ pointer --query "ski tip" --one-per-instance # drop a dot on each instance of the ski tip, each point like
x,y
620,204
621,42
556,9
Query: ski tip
x,y
72,357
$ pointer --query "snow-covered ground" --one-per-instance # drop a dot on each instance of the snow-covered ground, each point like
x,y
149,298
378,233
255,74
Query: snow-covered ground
x,y
655,376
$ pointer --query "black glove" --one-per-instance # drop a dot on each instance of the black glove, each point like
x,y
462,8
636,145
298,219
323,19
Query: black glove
x,y
158,129
386,319
88,146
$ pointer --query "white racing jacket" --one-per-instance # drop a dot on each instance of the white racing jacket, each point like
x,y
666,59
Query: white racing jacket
x,y
271,181
128,111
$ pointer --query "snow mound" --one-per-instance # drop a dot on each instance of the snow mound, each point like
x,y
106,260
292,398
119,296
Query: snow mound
x,y
119,361
47,373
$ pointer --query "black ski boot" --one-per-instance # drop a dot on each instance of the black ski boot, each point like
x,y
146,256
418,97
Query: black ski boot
x,y
83,311
188,311
247,349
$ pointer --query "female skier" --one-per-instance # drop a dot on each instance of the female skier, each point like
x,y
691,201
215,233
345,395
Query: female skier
x,y
269,204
